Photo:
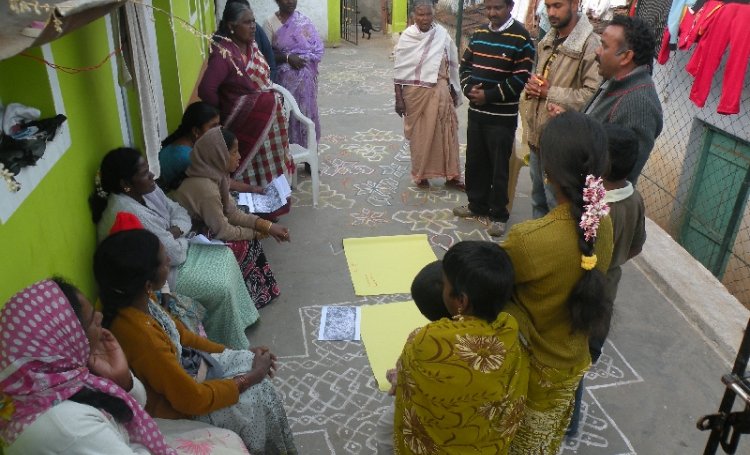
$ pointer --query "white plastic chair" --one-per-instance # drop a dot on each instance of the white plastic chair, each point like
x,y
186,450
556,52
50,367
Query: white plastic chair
x,y
299,153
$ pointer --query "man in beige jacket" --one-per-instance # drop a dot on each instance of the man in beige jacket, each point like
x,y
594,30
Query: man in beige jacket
x,y
566,74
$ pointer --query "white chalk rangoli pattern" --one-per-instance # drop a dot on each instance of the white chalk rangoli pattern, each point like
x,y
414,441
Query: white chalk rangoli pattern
x,y
331,396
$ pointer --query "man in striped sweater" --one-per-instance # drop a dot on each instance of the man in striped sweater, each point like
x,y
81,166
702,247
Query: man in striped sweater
x,y
493,72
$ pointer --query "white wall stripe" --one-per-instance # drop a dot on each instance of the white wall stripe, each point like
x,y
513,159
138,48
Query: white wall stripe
x,y
30,176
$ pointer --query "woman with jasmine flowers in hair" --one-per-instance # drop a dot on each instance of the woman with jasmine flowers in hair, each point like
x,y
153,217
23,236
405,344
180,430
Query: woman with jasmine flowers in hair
x,y
560,261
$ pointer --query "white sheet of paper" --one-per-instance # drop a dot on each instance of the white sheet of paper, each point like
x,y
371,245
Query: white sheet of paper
x,y
282,185
340,323
273,198
201,239
246,199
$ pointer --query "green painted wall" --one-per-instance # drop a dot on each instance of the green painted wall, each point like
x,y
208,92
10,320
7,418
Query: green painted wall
x,y
399,18
334,22
23,72
51,233
168,64
180,51
189,46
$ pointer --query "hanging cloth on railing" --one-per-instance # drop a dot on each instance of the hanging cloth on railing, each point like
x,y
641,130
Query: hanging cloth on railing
x,y
715,29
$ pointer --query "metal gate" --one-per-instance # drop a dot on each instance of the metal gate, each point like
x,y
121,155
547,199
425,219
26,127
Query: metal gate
x,y
717,200
349,21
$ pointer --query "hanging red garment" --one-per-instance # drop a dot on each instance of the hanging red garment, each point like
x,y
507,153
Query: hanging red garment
x,y
727,26
686,24
694,26
633,8
664,50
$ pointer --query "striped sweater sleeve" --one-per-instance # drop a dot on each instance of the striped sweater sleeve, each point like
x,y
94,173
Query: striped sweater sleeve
x,y
509,89
466,68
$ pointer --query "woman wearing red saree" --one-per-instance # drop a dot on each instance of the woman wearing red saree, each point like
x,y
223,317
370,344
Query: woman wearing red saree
x,y
237,81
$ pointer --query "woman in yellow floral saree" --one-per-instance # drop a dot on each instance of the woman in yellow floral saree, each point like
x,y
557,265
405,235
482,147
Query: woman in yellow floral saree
x,y
462,381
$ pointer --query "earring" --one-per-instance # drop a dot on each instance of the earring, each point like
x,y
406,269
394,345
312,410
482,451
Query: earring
x,y
127,189
231,32
459,317
546,179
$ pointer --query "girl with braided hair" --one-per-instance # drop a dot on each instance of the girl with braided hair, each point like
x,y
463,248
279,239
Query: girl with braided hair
x,y
560,262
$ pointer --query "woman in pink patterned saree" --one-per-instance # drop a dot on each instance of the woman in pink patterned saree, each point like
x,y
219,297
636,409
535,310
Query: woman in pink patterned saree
x,y
66,386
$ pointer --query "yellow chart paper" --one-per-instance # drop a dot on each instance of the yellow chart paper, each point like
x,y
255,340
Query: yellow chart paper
x,y
384,329
386,265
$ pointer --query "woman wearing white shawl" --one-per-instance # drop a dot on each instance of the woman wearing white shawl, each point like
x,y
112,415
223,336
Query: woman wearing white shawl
x,y
427,94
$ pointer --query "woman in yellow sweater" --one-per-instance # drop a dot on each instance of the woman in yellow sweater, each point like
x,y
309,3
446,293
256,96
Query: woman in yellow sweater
x,y
560,261
185,376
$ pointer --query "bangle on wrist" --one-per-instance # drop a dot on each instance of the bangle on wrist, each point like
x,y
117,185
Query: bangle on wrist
x,y
242,382
263,226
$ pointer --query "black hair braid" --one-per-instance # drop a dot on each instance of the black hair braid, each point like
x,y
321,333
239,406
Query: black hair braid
x,y
572,158
115,302
585,305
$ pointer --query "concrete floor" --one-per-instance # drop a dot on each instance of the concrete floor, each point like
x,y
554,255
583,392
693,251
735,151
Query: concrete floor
x,y
657,375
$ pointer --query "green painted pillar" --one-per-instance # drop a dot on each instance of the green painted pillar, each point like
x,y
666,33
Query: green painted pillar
x,y
399,15
334,22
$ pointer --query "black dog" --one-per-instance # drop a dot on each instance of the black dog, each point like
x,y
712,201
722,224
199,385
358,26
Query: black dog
x,y
366,27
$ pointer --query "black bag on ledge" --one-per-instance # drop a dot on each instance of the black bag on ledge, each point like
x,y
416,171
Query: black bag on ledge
x,y
16,154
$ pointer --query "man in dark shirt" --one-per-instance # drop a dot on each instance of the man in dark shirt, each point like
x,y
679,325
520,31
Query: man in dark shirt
x,y
494,69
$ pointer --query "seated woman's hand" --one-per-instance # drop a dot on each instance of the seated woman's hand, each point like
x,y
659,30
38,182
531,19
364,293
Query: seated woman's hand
x,y
107,360
176,232
262,363
279,232
263,349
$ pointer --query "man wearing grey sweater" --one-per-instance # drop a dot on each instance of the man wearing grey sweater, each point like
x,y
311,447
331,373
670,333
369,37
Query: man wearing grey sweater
x,y
628,97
